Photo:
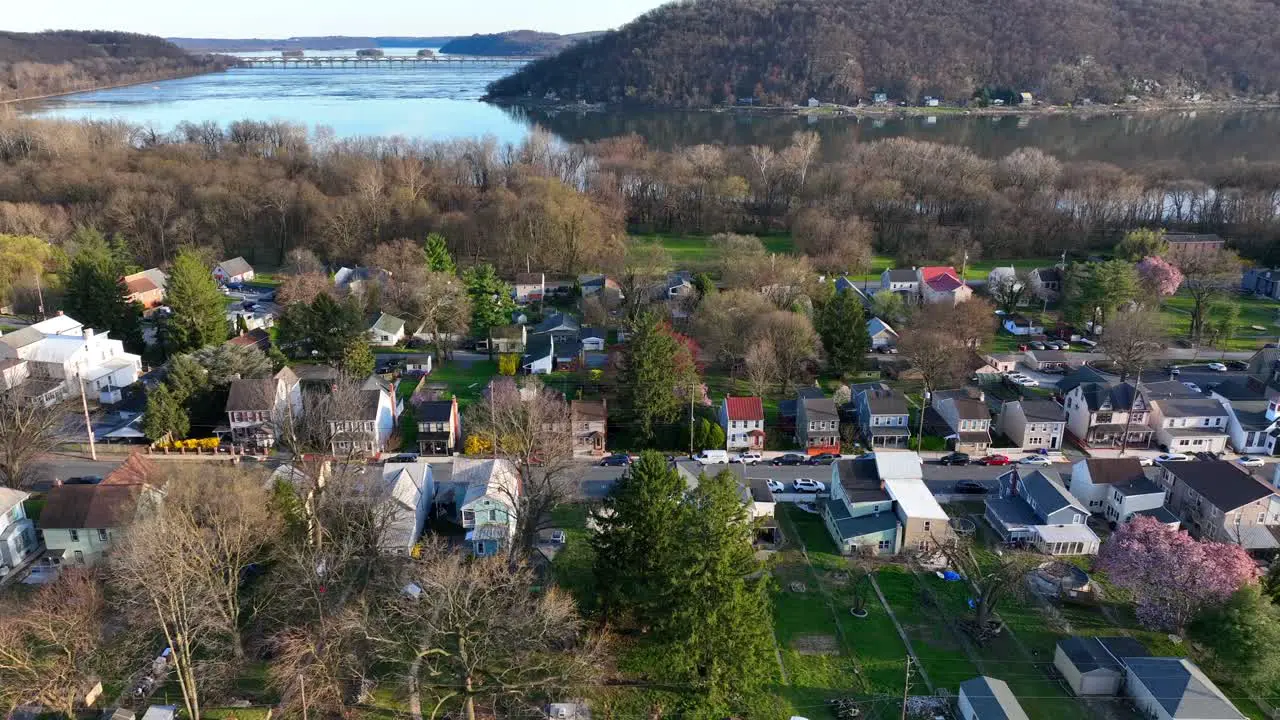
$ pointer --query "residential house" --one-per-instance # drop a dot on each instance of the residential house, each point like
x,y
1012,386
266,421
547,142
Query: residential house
x,y
529,287
592,284
883,336
79,522
373,420
257,406
17,533
1003,362
386,331
353,280
844,285
486,508
1167,688
902,281
408,490
1190,424
678,286
506,339
1034,424
146,288
1118,489
1075,377
590,423
61,360
922,520
317,378
568,354
235,271
1219,501
1253,422
881,506
1264,282
942,284
1046,283
1005,276
977,368
883,417
1035,510
13,372
1019,324
1046,360
742,419
593,339
1095,666
258,338
439,426
539,355
1194,242
241,320
967,417
986,698
817,425
1108,415
561,326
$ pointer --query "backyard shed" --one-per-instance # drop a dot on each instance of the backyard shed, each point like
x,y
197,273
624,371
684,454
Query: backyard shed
x,y
1095,666
986,698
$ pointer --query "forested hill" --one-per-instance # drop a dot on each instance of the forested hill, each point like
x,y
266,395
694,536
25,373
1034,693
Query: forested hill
x,y
517,43
35,64
708,52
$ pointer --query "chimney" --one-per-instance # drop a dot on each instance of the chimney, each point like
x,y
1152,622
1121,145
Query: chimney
x,y
1273,410
88,333
1013,483
57,482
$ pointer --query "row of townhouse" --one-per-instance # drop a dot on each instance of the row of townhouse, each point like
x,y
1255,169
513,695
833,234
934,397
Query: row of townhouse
x,y
1163,414
55,359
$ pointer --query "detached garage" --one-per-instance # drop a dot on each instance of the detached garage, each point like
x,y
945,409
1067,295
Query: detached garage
x,y
1093,665
986,698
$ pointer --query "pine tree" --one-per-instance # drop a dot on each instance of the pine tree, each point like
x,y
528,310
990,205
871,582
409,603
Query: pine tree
x,y
654,366
636,540
199,309
438,257
842,325
357,359
165,414
323,329
96,293
491,302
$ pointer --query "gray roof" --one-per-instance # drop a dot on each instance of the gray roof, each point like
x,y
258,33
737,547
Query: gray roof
x,y
1094,653
1075,378
557,321
853,527
1182,689
1166,389
1120,396
822,408
1049,495
991,699
1207,407
235,266
1162,513
1043,411
1114,471
885,401
1251,414
389,324
1011,511
1220,482
538,347
22,338
970,409
1049,274
860,480
1141,486
1049,355
902,275
251,395
590,333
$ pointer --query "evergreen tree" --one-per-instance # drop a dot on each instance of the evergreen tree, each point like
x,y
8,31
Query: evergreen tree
x,y
704,285
199,309
655,364
715,436
1243,636
637,540
717,628
357,359
165,414
842,325
323,329
438,257
491,301
96,292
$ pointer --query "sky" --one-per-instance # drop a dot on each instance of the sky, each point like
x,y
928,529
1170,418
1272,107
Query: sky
x,y
291,18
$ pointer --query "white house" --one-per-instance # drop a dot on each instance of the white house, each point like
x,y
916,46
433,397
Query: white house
x,y
742,419
1190,424
490,491
539,355
17,533
1046,283
529,287
986,698
233,272
386,331
1253,418
65,359
1118,489
882,335
1019,324
409,489
366,432
593,339
904,281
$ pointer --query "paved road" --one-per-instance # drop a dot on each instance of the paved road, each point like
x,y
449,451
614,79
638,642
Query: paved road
x,y
62,467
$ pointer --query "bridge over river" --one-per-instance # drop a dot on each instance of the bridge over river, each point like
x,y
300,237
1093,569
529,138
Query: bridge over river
x,y
384,61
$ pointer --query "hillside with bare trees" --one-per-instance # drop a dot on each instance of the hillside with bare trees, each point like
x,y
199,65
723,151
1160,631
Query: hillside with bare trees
x,y
714,52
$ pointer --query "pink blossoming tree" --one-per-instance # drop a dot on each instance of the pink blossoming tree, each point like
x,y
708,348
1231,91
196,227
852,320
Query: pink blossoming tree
x,y
1159,276
1172,575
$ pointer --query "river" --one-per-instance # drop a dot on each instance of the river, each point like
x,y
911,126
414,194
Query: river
x,y
441,102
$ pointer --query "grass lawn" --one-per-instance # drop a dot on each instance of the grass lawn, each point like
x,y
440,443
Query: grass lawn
x,y
466,382
695,253
940,652
1254,311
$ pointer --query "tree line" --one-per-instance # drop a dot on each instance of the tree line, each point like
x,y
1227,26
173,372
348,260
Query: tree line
x,y
777,52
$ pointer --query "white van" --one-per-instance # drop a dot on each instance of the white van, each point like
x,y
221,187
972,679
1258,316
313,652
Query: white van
x,y
712,457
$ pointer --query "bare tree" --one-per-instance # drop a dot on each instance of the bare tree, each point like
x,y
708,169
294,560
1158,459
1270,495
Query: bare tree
x,y
992,581
440,302
48,642
1132,339
645,264
1206,274
478,636
28,430
761,365
1010,290
794,341
532,424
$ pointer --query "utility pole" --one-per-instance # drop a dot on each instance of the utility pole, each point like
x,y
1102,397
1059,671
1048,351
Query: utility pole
x,y
88,426
39,297
964,265
906,688
302,685
691,389
1128,420
924,403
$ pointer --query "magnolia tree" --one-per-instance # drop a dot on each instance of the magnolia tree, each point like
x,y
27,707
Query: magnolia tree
x,y
1172,575
1159,277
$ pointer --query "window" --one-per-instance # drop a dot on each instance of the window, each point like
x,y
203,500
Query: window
x,y
74,535
102,536
885,545
1206,422
926,526
79,557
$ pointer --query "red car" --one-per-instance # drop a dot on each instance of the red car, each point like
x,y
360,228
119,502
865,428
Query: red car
x,y
994,460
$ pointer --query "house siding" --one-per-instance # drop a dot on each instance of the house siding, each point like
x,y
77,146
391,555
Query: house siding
x,y
88,543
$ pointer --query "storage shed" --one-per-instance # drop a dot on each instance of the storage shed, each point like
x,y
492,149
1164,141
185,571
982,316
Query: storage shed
x,y
1093,665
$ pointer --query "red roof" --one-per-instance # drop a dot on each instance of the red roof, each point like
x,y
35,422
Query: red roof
x,y
945,283
744,408
930,272
140,285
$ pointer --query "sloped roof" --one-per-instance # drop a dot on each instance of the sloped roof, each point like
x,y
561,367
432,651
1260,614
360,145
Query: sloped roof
x,y
1178,407
875,326
1079,376
139,283
1220,482
258,338
929,272
945,283
1097,395
885,401
1106,653
1182,689
588,411
1050,496
1048,274
744,408
822,408
1038,410
902,275
22,338
59,325
388,324
236,266
1166,389
970,409
406,482
991,699
485,477
1114,471
434,411
557,321
101,506
251,394
135,470
10,497
529,278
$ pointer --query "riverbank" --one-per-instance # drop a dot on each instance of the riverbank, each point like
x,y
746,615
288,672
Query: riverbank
x,y
97,88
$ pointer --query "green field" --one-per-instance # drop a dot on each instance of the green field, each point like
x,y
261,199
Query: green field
x,y
465,382
1254,311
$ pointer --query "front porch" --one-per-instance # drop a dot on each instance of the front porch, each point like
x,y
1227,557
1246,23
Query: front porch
x,y
1117,435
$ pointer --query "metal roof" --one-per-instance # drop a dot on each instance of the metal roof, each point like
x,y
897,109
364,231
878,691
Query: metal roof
x,y
991,699
1181,689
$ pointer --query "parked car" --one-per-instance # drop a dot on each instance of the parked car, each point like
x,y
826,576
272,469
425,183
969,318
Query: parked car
x,y
1251,461
557,537
1146,461
824,459
1206,455
1036,460
403,458
775,486
995,459
616,460
808,485
1173,371
1037,345
1217,367
1192,386
749,457
1172,457
790,459
969,487
887,350
1237,365
712,457
1029,382
955,458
